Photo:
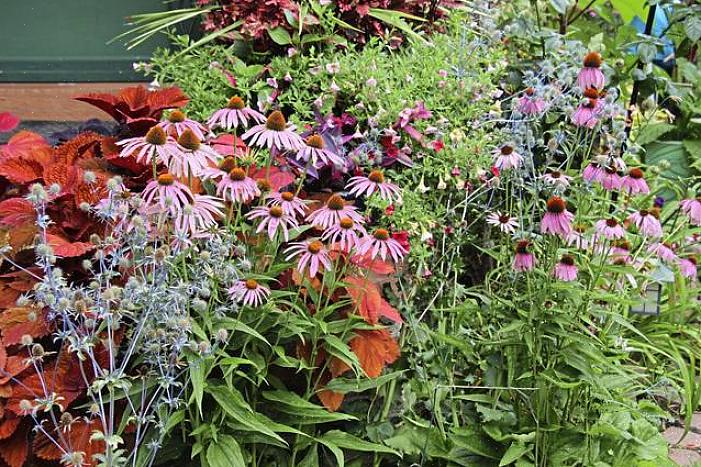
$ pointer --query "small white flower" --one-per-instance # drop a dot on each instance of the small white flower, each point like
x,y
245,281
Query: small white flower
x,y
504,222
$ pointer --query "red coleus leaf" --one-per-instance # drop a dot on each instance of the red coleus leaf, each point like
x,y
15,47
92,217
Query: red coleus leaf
x,y
224,145
67,176
376,265
369,302
18,321
14,450
15,365
21,171
103,101
135,103
8,122
67,249
16,211
277,177
26,144
167,98
374,350
75,438
8,426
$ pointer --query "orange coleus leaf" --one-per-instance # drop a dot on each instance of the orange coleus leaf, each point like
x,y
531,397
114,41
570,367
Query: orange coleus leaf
x,y
3,356
166,98
75,438
14,450
27,145
15,365
83,146
21,171
67,176
330,399
8,426
66,249
369,302
18,321
16,211
376,265
374,350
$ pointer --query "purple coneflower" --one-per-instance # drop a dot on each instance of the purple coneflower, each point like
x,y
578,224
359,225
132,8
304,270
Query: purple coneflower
x,y
577,237
557,179
663,251
557,220
156,144
346,234
647,223
167,193
620,251
565,269
274,132
221,170
634,183
177,123
273,217
375,181
593,172
249,292
201,214
194,157
380,242
333,211
507,158
312,254
688,268
504,222
590,76
237,186
610,229
586,114
313,149
530,104
524,260
692,208
611,181
290,204
235,114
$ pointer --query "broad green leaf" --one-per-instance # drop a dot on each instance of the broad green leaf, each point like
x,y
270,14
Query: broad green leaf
x,y
233,324
307,412
347,441
346,385
474,441
515,451
311,459
671,155
280,36
197,379
629,9
652,132
692,26
340,350
226,452
561,6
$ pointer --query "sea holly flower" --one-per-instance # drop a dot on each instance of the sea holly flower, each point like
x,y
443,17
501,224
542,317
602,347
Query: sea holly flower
x,y
199,215
504,222
249,292
557,220
610,180
557,179
634,183
375,181
273,217
346,234
313,149
275,132
177,123
193,158
380,242
565,269
692,208
332,212
524,260
663,251
610,229
529,103
312,256
646,222
590,76
235,114
156,144
290,204
507,158
237,186
688,268
167,193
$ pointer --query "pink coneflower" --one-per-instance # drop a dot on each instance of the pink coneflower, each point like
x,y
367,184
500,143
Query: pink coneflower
x,y
221,170
194,157
647,223
273,217
313,149
235,114
557,219
590,76
507,158
504,222
237,186
177,123
611,181
586,114
274,132
249,292
610,229
593,172
290,204
346,234
692,208
156,144
375,181
201,214
557,179
333,211
565,269
312,254
620,251
663,251
634,183
530,104
167,193
688,268
577,237
524,260
380,242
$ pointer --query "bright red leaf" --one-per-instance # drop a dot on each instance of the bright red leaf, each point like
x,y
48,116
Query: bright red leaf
x,y
15,449
21,171
17,321
16,211
66,249
26,144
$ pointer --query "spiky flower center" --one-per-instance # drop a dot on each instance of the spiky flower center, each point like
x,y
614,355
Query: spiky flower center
x,y
315,247
504,219
692,260
522,247
611,222
530,91
644,212
506,150
611,171
189,140
622,244
176,116
580,228
376,176
346,223
263,184
567,260
335,203
555,174
287,196
590,104
227,164
157,136
591,93
276,121
237,174
381,234
636,173
315,141
251,284
236,103
556,205
275,211
593,60
166,179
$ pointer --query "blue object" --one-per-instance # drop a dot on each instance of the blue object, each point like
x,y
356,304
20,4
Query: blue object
x,y
659,26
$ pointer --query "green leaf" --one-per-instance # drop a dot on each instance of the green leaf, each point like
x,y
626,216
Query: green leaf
x,y
210,37
515,451
346,385
652,132
280,36
629,9
474,441
347,441
692,26
305,411
197,378
561,6
671,156
340,350
396,19
226,452
233,324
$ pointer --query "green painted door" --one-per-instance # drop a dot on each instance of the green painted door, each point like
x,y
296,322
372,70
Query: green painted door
x,y
66,40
